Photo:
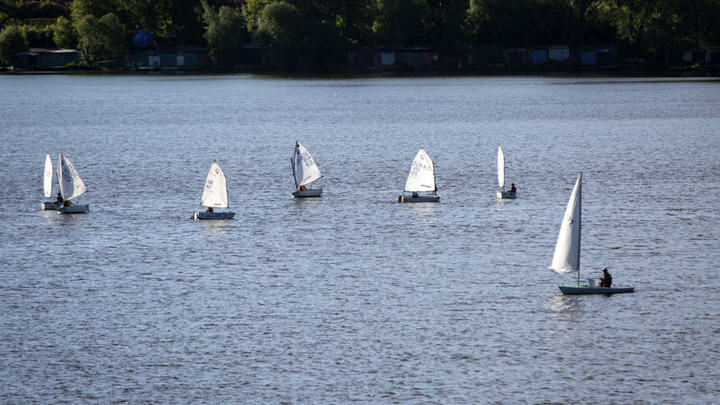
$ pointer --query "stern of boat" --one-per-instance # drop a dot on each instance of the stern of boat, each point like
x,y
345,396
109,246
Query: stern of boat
x,y
213,215
585,289
315,192
420,199
74,209
49,205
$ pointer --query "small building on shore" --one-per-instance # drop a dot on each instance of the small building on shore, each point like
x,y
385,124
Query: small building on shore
x,y
388,58
600,55
50,59
162,57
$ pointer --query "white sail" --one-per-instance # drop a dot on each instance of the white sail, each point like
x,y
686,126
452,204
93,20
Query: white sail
x,y
567,250
501,167
304,167
48,176
422,173
71,185
215,193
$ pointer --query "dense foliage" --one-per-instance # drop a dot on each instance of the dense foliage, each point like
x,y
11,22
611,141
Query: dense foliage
x,y
224,33
100,38
12,42
311,31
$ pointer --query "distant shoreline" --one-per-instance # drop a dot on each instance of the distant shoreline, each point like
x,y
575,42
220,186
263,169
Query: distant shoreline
x,y
669,73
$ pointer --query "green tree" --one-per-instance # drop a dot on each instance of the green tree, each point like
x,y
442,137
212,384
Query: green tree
x,y
65,35
353,20
224,34
695,23
583,13
280,31
446,25
39,37
173,21
494,19
97,8
296,37
79,9
252,11
398,20
100,38
12,42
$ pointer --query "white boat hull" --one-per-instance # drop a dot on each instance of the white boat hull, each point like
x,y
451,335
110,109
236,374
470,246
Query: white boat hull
x,y
74,209
316,192
49,205
506,194
420,199
213,215
584,289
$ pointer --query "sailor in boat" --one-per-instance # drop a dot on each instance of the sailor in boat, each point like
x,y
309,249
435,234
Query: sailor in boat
x,y
302,188
59,199
415,194
210,209
67,203
513,189
606,280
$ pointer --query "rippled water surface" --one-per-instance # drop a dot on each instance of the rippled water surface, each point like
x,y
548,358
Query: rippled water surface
x,y
353,297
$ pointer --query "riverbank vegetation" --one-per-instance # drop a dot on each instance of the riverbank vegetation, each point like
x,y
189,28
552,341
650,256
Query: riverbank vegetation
x,y
321,31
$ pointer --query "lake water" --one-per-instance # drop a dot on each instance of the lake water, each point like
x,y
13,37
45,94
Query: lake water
x,y
353,297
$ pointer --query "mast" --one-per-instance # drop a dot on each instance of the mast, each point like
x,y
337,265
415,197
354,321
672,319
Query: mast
x,y
292,163
501,168
434,181
579,229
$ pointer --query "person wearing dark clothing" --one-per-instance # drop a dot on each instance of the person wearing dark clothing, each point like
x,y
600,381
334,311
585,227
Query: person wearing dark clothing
x,y
59,199
606,280
513,189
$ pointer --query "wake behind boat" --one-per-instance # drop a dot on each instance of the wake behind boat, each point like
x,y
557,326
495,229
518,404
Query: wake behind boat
x,y
305,172
215,195
420,179
47,185
501,178
566,259
71,186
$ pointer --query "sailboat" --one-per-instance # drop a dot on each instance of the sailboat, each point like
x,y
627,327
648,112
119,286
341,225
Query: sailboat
x,y
71,186
305,171
420,179
215,195
47,183
566,259
501,177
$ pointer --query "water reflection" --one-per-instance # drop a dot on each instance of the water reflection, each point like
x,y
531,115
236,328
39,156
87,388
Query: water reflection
x,y
217,228
78,219
564,304
567,308
500,205
48,216
422,209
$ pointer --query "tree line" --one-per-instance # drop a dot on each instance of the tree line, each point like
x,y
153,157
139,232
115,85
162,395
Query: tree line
x,y
319,32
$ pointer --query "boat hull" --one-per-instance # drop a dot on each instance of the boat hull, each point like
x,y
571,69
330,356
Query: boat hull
x,y
506,194
74,209
49,205
213,215
420,199
574,289
316,192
